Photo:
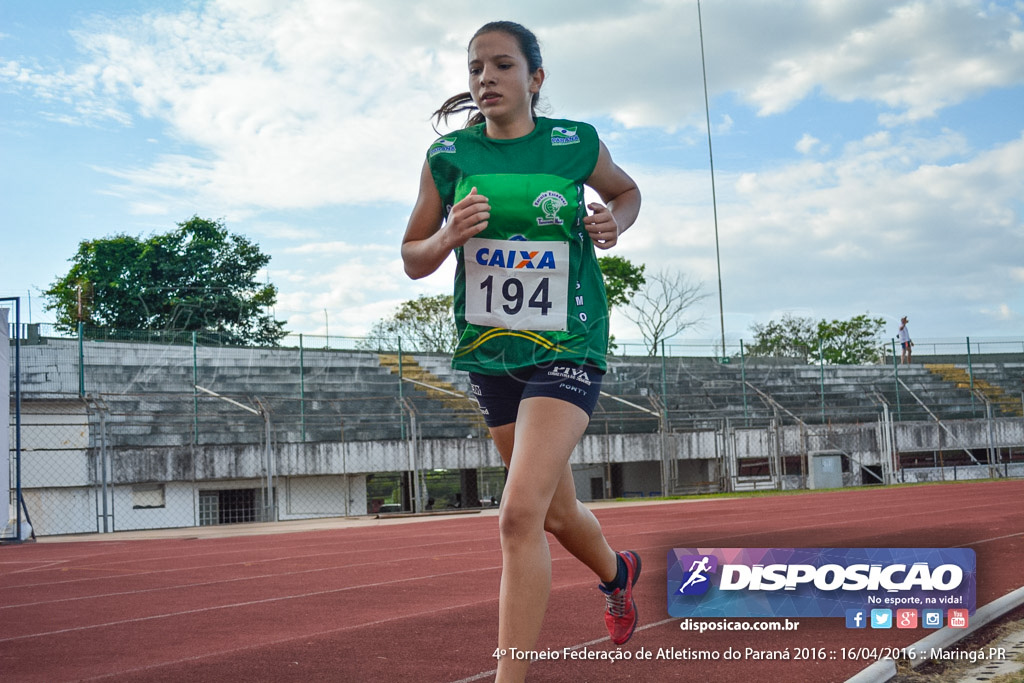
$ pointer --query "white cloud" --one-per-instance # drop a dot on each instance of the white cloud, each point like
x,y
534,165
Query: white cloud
x,y
286,106
336,248
356,292
263,111
312,103
914,58
147,209
807,143
278,74
1003,313
876,227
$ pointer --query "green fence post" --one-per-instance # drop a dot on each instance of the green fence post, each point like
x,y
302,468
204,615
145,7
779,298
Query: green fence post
x,y
896,378
970,376
663,427
81,362
302,388
821,363
743,383
664,383
401,395
195,390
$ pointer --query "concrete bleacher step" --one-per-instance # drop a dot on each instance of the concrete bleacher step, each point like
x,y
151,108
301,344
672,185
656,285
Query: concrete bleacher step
x,y
137,367
850,391
1004,402
353,395
452,399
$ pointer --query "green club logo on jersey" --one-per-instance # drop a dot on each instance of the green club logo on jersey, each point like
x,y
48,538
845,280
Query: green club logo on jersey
x,y
550,203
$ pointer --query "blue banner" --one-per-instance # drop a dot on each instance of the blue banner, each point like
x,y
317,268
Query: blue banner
x,y
819,582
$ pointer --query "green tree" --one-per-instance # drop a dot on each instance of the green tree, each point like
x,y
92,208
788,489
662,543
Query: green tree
x,y
195,278
790,337
839,342
851,342
622,279
426,323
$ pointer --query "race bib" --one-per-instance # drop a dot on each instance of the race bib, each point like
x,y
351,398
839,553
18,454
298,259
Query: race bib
x,y
517,285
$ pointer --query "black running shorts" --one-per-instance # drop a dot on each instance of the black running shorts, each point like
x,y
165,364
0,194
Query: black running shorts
x,y
499,395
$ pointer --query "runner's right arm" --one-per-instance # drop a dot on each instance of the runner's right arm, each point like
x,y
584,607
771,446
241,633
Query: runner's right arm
x,y
427,243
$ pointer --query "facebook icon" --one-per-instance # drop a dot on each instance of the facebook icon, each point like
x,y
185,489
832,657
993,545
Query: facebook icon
x,y
856,618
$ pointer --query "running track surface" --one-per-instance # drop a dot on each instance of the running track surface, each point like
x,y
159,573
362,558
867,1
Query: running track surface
x,y
418,601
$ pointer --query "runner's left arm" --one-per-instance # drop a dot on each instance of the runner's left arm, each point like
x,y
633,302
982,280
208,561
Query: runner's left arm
x,y
621,198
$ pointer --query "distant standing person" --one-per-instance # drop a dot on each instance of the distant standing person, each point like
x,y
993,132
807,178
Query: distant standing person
x,y
905,342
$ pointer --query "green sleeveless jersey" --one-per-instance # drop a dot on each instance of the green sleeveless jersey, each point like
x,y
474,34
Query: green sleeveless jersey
x,y
528,289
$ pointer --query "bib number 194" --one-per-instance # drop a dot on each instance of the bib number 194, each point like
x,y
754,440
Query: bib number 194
x,y
516,284
513,295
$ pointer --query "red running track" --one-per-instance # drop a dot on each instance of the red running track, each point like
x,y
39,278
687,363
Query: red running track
x,y
418,601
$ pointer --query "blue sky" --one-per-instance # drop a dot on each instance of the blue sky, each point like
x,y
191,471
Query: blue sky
x,y
869,156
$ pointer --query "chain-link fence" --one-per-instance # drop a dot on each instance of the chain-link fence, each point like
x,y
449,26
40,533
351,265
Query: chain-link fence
x,y
10,486
129,431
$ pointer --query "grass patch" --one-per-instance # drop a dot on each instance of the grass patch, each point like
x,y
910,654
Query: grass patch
x,y
771,493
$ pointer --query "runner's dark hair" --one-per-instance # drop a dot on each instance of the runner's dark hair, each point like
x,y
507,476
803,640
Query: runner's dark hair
x,y
463,102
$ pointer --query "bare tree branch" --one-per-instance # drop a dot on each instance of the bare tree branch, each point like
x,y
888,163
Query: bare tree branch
x,y
659,308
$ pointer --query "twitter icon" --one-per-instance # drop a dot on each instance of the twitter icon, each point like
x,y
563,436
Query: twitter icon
x,y
881,618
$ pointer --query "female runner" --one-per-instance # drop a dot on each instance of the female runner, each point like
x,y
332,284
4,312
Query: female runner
x,y
505,193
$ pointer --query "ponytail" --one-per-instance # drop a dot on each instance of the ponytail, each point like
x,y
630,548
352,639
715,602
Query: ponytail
x,y
456,104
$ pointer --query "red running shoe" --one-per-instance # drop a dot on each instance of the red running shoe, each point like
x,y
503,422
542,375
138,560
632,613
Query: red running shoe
x,y
621,615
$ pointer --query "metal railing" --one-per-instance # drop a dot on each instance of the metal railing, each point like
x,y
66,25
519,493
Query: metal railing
x,y
129,430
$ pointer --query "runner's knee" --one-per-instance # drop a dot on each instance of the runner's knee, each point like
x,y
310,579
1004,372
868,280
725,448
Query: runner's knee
x,y
517,521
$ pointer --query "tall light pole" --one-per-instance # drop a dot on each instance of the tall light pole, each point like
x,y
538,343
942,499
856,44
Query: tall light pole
x,y
711,157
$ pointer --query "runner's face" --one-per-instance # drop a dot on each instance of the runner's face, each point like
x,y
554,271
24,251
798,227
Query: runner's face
x,y
500,79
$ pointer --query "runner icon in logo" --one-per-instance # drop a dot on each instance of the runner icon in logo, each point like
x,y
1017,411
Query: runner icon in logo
x,y
697,582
